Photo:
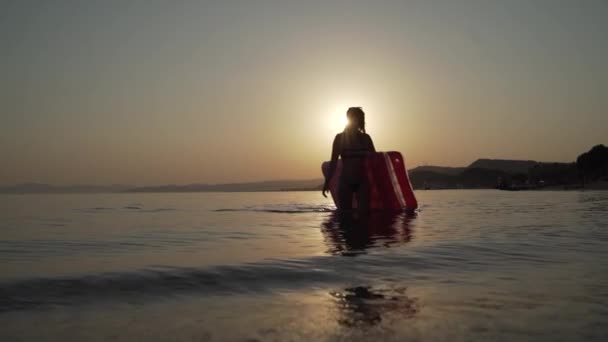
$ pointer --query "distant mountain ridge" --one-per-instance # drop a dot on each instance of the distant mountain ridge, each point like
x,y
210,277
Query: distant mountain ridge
x,y
488,173
591,166
505,165
444,170
40,188
278,185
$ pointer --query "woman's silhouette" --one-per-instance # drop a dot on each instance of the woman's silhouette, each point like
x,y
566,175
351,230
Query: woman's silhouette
x,y
352,146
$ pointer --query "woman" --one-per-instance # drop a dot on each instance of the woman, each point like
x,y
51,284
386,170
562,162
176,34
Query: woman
x,y
352,146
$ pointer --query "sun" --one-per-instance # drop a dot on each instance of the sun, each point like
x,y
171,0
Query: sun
x,y
337,119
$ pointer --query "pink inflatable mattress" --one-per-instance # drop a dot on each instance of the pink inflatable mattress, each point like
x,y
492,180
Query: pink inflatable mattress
x,y
390,187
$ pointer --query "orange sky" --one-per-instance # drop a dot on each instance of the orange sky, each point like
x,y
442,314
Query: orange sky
x,y
168,92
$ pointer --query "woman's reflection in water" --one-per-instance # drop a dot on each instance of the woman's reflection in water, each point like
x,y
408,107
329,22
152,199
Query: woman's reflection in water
x,y
349,235
365,306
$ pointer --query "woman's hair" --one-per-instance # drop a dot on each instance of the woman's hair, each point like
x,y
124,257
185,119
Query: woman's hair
x,y
356,116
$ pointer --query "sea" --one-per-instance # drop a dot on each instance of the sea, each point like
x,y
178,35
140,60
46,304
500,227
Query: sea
x,y
468,265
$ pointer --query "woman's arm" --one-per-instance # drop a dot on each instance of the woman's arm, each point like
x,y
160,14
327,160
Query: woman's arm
x,y
370,144
335,153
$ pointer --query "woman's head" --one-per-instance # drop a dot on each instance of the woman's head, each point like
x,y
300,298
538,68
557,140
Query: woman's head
x,y
356,118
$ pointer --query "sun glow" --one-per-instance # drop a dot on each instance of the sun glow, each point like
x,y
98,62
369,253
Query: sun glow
x,y
337,119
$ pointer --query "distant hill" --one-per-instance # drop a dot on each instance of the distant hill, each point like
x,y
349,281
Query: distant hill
x,y
444,170
488,173
590,169
422,179
469,178
504,165
480,178
593,164
39,188
280,185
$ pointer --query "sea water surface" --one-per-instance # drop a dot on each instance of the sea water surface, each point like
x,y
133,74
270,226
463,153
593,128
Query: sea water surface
x,y
469,265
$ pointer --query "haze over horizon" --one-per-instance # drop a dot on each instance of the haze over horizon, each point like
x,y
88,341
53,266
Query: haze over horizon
x,y
157,92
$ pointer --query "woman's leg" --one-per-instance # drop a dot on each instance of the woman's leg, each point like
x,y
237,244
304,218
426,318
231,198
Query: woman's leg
x,y
363,197
345,197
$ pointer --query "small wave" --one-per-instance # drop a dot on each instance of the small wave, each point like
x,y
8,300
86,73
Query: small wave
x,y
131,208
43,292
94,210
161,281
157,210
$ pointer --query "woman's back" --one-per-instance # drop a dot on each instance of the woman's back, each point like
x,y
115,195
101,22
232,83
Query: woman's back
x,y
355,145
